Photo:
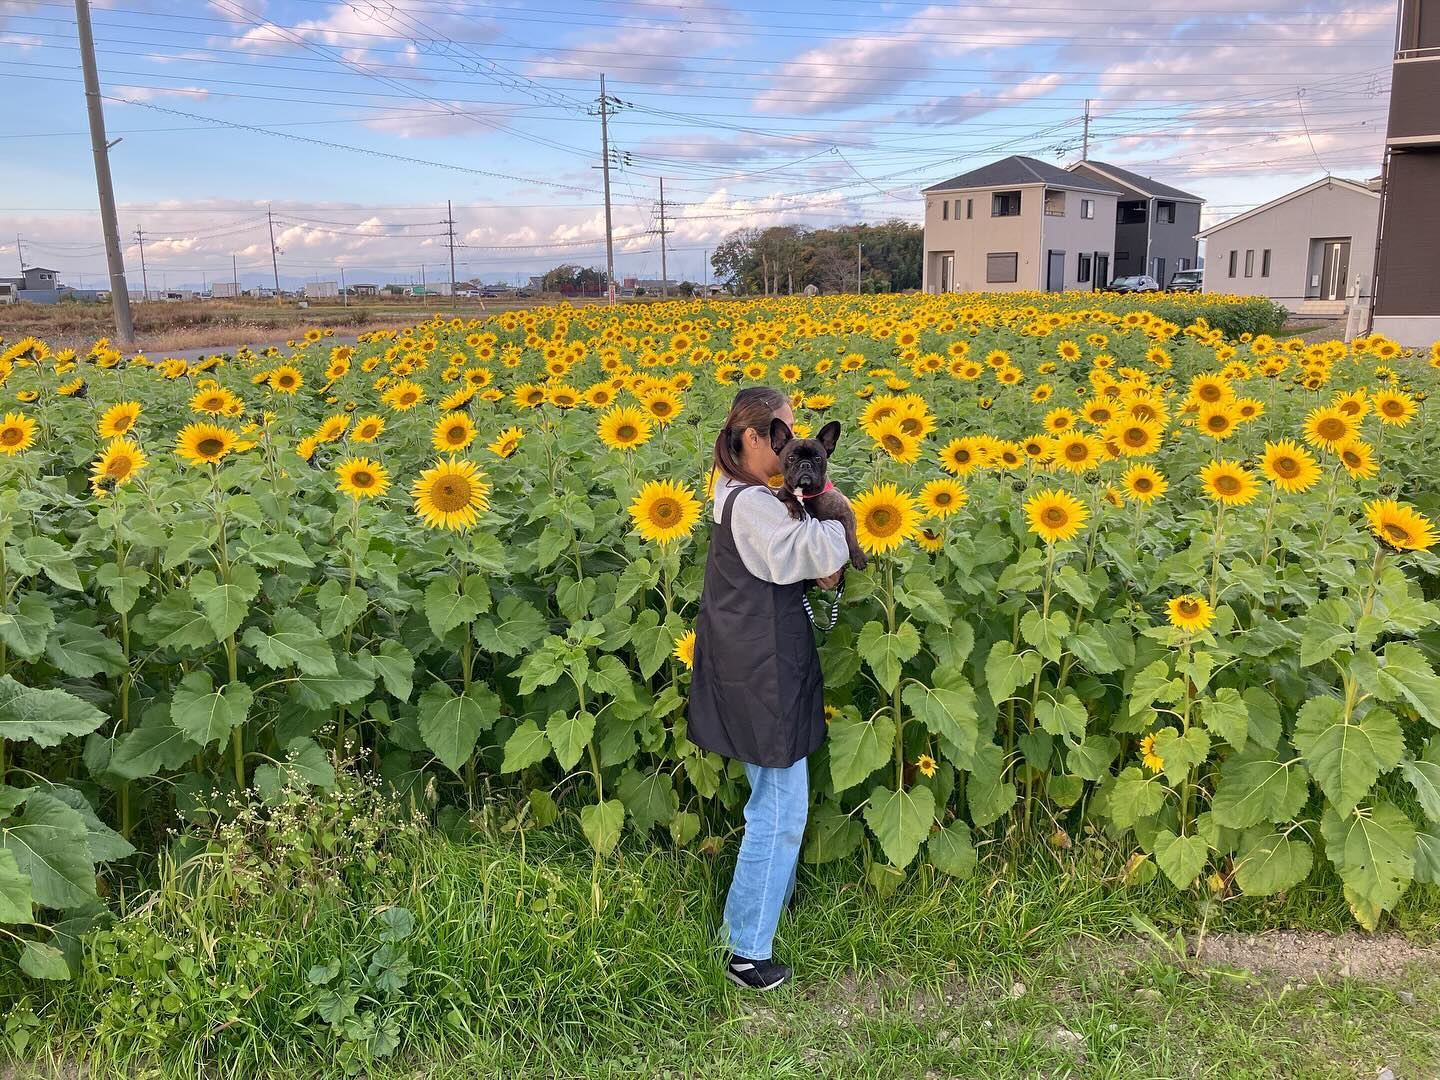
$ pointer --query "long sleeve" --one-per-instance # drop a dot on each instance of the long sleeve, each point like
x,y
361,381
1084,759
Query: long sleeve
x,y
779,548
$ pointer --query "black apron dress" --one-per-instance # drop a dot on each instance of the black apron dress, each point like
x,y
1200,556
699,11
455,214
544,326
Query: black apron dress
x,y
756,690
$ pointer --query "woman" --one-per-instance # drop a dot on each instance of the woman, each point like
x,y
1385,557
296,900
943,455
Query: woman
x,y
756,691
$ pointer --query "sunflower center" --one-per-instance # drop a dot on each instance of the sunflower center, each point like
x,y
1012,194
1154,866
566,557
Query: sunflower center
x,y
1227,484
625,432
450,493
665,512
882,521
1188,608
1136,436
11,436
1287,467
360,478
1350,458
1054,516
455,436
910,426
943,498
1209,393
1077,452
1332,428
120,467
1396,532
1392,408
893,443
210,446
1142,484
1218,422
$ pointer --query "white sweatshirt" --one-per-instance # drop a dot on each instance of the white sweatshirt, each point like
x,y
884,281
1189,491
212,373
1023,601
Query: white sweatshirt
x,y
775,546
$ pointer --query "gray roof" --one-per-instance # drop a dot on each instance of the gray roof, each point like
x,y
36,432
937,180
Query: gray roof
x,y
1016,170
1142,186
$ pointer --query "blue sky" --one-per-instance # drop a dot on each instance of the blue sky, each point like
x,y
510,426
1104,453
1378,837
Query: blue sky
x,y
357,121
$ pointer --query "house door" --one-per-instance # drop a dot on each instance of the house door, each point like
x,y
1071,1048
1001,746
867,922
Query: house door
x,y
1102,270
1159,272
1055,274
947,273
1334,269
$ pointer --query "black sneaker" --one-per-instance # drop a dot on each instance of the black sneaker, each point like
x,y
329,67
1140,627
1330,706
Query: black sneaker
x,y
756,974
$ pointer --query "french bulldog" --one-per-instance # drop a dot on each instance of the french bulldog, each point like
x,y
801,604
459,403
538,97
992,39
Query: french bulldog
x,y
807,489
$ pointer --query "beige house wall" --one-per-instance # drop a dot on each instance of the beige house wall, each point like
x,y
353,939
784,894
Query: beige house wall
x,y
1031,235
971,240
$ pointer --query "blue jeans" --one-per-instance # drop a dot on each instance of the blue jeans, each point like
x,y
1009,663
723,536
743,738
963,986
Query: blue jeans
x,y
769,855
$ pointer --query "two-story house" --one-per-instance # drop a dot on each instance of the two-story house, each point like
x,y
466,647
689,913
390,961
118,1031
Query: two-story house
x,y
1018,224
1155,224
1407,270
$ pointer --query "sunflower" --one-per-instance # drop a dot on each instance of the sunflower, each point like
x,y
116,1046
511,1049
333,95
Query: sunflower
x,y
332,428
927,765
286,379
1038,448
1358,458
17,432
1218,421
362,478
1190,612
929,540
204,443
1055,515
1210,389
885,518
1134,437
1400,526
450,494
942,497
1099,411
562,396
789,373
1228,483
1058,420
216,400
1328,427
1144,483
119,419
506,443
890,437
664,511
916,423
1007,455
1289,466
453,432
1077,451
624,428
404,395
529,395
1151,760
663,405
685,649
367,429
118,462
1394,407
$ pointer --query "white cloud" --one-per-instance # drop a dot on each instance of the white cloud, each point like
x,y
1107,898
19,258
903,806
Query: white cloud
x,y
150,93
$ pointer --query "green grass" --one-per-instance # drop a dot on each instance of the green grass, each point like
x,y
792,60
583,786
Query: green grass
x,y
531,960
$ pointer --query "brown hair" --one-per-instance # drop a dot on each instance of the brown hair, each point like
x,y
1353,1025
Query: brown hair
x,y
754,407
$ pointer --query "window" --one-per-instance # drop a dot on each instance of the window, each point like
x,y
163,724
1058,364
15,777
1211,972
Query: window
x,y
1265,263
1165,212
969,208
1087,208
1005,204
1002,266
1250,263
1055,204
1082,272
944,209
1233,256
1130,213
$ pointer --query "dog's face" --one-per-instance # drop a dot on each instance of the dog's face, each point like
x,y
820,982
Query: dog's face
x,y
803,461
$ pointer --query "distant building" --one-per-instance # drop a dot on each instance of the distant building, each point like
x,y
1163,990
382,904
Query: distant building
x,y
321,290
365,290
1155,224
1407,285
39,277
225,290
1018,224
7,292
1303,250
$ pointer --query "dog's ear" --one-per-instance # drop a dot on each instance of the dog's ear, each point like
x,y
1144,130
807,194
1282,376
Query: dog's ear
x,y
780,434
829,436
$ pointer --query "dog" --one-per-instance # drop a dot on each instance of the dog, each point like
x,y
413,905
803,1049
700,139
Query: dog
x,y
807,489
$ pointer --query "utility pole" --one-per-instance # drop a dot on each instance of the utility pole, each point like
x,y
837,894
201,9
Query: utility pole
x,y
424,289
20,252
605,168
705,268
274,256
235,275
450,226
119,291
664,276
1085,142
858,249
144,275
344,296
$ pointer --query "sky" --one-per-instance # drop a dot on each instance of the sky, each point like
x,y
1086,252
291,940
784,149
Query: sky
x,y
354,122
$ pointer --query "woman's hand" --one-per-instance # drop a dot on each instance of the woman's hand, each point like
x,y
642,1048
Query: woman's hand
x,y
830,580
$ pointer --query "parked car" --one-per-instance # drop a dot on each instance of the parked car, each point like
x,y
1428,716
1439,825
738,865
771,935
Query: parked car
x,y
1186,280
1135,283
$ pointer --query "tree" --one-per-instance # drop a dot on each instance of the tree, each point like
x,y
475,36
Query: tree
x,y
786,258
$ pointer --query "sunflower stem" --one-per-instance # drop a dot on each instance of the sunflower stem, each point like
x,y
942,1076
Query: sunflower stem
x,y
1215,559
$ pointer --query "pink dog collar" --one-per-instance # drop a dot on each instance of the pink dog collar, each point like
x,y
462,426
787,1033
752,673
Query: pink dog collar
x,y
802,496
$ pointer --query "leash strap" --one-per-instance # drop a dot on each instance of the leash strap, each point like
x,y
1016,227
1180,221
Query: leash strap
x,y
834,608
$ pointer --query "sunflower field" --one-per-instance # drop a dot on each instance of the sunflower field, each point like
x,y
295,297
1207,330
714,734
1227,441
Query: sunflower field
x,y
1134,581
